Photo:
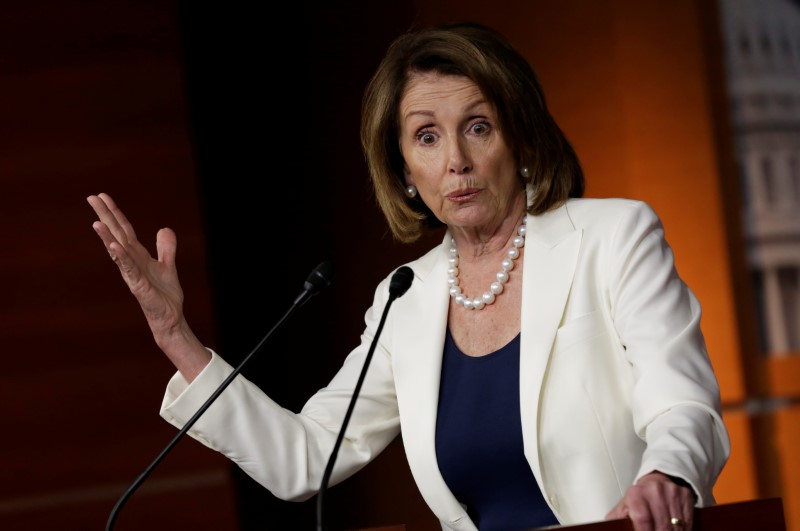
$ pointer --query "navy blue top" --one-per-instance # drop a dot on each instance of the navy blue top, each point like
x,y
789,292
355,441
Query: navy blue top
x,y
479,440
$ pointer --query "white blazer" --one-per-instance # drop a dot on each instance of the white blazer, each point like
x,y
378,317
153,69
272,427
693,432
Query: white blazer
x,y
615,381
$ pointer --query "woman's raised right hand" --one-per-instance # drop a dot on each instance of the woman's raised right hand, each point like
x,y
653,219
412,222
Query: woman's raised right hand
x,y
154,283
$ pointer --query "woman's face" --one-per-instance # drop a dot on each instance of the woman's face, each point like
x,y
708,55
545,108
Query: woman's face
x,y
455,153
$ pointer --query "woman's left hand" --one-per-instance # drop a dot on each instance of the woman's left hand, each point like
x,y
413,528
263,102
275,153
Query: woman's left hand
x,y
656,503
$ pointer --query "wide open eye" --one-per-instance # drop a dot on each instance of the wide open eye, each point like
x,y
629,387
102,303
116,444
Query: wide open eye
x,y
480,128
426,138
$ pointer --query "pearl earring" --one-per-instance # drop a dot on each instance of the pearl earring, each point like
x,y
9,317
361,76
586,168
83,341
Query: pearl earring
x,y
411,191
525,172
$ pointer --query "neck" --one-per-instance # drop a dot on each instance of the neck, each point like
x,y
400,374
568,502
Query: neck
x,y
476,244
467,299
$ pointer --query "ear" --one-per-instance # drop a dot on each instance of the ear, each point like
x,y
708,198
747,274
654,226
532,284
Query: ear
x,y
407,175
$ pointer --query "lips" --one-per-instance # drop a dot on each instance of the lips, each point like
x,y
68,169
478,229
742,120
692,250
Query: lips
x,y
460,196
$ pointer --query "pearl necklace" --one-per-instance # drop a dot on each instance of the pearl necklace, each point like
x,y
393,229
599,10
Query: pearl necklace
x,y
496,288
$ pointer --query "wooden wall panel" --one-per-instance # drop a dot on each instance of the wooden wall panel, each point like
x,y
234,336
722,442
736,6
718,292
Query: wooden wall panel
x,y
93,100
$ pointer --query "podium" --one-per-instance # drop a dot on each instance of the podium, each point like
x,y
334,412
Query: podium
x,y
764,514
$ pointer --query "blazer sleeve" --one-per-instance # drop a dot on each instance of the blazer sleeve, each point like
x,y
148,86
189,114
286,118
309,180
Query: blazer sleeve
x,y
284,451
675,399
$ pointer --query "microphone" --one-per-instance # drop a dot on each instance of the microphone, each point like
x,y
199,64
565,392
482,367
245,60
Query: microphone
x,y
398,285
400,282
319,278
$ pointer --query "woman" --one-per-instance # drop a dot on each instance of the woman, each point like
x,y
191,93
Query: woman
x,y
546,365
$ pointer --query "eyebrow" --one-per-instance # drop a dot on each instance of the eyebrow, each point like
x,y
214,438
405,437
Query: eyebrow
x,y
469,108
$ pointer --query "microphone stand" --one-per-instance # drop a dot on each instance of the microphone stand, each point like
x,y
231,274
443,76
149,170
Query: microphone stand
x,y
318,279
399,284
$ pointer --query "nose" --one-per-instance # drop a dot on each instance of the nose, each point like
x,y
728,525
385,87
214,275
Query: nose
x,y
458,157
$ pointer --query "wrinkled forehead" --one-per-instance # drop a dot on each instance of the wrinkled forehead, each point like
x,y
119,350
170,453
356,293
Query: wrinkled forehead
x,y
425,92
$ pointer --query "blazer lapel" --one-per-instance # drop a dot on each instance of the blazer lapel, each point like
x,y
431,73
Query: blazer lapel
x,y
551,251
419,339
551,254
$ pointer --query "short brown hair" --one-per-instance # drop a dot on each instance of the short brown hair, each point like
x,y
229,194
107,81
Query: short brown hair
x,y
505,78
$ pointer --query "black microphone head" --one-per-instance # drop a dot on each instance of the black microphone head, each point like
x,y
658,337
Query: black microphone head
x,y
319,278
401,281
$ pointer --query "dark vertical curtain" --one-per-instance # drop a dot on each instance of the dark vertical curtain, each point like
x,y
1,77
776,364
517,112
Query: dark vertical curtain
x,y
274,103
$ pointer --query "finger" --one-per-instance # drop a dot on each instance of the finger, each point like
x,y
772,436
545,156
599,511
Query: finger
x,y
113,217
130,271
118,254
633,507
107,219
679,523
166,246
119,216
674,509
619,511
115,249
105,234
685,509
668,510
675,506
640,512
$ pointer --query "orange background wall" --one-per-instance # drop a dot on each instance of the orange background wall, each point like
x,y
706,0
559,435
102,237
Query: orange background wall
x,y
199,120
639,88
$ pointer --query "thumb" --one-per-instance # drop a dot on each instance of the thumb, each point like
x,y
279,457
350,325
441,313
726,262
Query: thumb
x,y
166,245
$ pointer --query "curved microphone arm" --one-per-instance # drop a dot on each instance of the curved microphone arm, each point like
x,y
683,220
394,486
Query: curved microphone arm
x,y
318,279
